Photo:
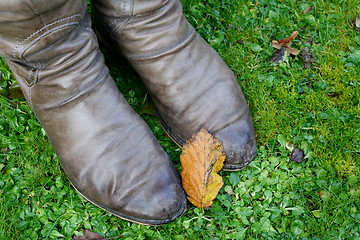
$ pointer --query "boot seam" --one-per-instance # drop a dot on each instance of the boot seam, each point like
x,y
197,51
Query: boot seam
x,y
30,44
30,101
45,33
35,12
38,65
31,85
34,70
160,12
123,19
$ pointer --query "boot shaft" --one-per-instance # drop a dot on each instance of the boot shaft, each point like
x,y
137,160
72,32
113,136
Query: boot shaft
x,y
23,22
51,49
137,23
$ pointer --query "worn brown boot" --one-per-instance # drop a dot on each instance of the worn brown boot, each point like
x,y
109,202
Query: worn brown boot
x,y
190,85
108,153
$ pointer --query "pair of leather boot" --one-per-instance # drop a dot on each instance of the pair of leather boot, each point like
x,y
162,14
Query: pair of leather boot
x,y
106,150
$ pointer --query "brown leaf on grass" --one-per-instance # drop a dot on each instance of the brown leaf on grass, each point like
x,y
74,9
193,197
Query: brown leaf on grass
x,y
276,44
286,42
297,155
201,158
289,39
89,235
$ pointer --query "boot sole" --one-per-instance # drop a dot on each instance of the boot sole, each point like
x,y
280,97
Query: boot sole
x,y
146,222
180,142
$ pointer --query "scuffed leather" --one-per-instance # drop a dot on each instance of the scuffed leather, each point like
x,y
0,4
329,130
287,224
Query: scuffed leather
x,y
106,150
190,85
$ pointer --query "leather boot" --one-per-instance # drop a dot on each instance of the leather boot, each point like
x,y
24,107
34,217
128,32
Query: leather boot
x,y
108,153
190,85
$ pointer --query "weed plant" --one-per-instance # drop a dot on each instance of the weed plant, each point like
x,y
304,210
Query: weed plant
x,y
315,109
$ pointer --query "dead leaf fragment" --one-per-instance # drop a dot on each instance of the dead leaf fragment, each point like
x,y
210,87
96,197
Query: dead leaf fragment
x,y
89,235
297,155
286,42
276,44
201,158
289,39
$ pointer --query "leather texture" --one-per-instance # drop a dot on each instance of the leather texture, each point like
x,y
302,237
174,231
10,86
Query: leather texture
x,y
190,85
106,150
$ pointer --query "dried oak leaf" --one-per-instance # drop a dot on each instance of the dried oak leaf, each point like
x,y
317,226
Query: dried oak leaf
x,y
201,158
286,42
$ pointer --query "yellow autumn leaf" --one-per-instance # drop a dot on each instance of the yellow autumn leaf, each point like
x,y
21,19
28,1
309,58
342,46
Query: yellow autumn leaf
x,y
201,158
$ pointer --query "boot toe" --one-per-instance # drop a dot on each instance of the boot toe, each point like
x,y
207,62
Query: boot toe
x,y
160,202
239,144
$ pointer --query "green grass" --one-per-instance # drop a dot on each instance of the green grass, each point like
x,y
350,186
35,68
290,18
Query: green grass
x,y
316,109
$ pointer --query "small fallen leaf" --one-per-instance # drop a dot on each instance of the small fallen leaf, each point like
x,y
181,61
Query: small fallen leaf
x,y
276,45
89,235
289,39
297,155
286,42
201,158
